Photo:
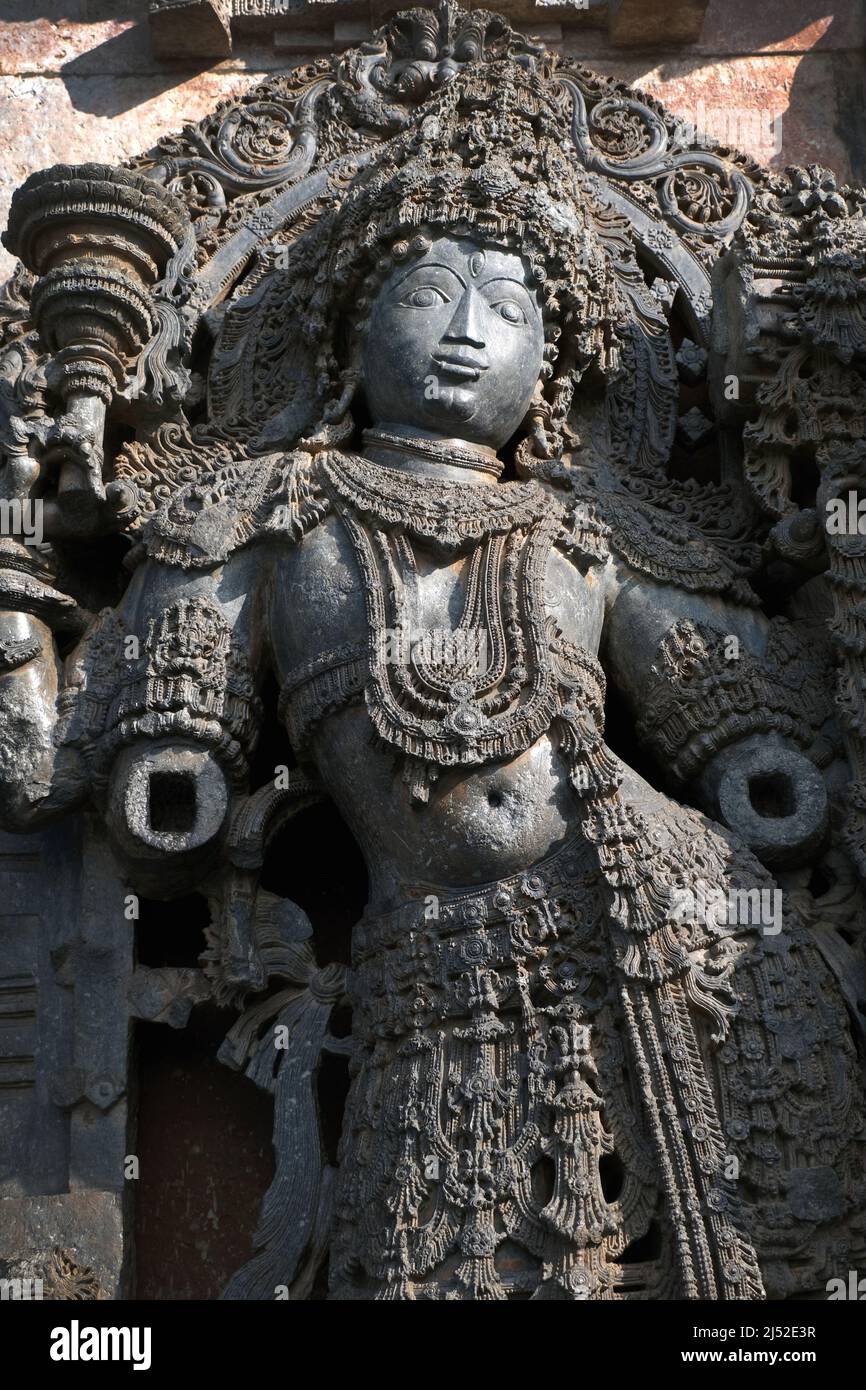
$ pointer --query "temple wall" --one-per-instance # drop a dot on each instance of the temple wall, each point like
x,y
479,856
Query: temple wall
x,y
81,79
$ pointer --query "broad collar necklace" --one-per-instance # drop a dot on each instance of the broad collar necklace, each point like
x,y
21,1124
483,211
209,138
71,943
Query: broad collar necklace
x,y
473,456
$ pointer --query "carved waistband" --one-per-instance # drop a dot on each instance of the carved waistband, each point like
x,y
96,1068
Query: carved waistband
x,y
431,963
465,912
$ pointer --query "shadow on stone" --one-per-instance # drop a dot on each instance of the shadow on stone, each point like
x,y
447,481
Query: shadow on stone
x,y
106,81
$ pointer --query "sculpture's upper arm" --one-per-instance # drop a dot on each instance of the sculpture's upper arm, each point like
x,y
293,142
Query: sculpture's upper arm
x,y
641,612
732,704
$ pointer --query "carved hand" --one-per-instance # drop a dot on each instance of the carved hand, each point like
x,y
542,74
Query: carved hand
x,y
37,778
74,452
57,483
771,795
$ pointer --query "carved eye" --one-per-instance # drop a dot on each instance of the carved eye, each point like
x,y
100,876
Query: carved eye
x,y
509,310
424,297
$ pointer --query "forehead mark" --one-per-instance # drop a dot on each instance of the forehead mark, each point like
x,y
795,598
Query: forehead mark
x,y
475,257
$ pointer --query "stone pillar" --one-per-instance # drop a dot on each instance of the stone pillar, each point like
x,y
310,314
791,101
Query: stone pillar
x,y
66,959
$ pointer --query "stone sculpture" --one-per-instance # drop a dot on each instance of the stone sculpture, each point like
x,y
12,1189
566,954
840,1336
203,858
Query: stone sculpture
x,y
396,337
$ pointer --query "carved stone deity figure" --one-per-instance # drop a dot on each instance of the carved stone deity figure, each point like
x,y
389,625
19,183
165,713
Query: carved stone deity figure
x,y
599,1047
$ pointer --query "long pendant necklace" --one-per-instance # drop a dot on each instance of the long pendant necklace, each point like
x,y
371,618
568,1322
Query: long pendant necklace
x,y
492,690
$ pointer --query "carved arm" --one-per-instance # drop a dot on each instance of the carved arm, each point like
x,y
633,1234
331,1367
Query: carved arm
x,y
732,706
182,713
153,714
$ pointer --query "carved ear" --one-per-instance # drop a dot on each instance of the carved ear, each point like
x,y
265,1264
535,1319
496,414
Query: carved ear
x,y
262,380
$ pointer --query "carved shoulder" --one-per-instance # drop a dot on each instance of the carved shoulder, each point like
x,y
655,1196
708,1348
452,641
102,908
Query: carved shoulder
x,y
206,521
670,551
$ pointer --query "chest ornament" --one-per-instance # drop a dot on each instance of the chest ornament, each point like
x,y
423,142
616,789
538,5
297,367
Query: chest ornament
x,y
487,687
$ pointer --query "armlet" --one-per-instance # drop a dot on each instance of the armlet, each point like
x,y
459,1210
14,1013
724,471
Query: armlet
x,y
701,697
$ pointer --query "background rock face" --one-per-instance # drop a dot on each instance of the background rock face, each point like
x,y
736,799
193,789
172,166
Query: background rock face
x,y
89,77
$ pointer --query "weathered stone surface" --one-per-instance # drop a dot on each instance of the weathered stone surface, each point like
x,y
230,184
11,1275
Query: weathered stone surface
x,y
741,100
183,27
72,1242
792,26
641,23
45,46
46,120
209,26
73,48
73,10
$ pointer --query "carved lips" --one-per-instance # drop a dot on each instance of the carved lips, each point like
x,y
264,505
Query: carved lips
x,y
456,365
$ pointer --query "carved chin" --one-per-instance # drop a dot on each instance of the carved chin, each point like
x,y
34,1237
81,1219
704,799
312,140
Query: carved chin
x,y
456,403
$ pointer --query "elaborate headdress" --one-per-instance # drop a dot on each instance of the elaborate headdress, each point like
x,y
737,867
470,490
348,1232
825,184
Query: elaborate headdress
x,y
484,159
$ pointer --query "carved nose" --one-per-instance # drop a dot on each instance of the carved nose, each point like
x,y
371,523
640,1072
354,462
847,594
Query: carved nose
x,y
466,324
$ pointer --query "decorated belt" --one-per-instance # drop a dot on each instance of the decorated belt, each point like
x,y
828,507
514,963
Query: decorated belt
x,y
461,914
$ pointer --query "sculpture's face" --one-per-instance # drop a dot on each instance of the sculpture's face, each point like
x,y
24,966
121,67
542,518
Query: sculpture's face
x,y
455,343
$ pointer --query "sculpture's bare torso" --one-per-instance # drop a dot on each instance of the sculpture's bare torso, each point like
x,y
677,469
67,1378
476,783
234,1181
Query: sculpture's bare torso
x,y
448,1015
480,824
